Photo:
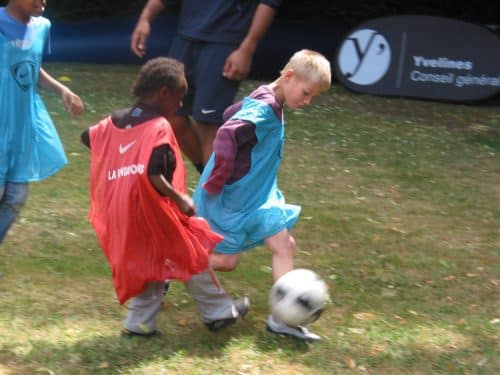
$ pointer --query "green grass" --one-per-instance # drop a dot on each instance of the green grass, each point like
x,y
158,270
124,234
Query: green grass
x,y
401,216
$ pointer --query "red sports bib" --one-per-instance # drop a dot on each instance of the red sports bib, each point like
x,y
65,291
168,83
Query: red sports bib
x,y
144,235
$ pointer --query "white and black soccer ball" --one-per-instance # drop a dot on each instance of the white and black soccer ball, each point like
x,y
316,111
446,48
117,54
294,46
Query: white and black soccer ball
x,y
298,297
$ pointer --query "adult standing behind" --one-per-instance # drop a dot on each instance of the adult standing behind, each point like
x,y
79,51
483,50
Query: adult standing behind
x,y
216,40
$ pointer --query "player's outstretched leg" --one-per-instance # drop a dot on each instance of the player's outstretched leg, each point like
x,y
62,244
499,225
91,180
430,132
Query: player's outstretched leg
x,y
217,308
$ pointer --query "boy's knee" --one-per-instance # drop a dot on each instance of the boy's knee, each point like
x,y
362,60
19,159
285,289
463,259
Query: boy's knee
x,y
229,263
290,244
287,248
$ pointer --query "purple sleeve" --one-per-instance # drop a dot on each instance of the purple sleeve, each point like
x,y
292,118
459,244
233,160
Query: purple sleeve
x,y
232,148
225,149
234,142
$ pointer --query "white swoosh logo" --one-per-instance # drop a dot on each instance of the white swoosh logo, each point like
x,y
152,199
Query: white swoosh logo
x,y
124,149
207,111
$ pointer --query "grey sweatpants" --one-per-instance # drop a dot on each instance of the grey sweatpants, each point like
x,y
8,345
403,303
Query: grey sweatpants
x,y
213,303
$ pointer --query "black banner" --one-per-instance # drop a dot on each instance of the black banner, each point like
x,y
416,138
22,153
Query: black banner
x,y
421,57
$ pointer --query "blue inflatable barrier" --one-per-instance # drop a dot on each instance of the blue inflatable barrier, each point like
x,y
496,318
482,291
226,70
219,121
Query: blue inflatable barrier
x,y
108,42
105,41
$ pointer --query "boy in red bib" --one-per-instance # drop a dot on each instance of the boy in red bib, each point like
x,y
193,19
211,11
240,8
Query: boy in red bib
x,y
139,208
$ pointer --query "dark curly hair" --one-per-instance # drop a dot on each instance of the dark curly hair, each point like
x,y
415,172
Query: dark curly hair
x,y
156,73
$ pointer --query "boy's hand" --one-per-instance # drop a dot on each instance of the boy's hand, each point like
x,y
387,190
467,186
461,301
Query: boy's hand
x,y
186,205
72,102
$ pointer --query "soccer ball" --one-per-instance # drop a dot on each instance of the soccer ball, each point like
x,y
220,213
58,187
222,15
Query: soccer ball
x,y
298,297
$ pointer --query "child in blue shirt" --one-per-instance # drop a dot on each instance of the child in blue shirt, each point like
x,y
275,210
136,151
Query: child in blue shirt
x,y
238,190
30,148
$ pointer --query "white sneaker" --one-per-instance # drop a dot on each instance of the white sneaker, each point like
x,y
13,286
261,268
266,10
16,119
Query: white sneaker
x,y
302,333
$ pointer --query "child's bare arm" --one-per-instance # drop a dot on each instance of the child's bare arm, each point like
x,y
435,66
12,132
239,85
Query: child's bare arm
x,y
183,201
71,101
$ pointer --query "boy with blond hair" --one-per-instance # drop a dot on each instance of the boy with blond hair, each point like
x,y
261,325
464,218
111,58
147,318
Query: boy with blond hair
x,y
238,192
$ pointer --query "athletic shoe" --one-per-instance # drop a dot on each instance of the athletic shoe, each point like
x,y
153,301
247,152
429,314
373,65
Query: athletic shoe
x,y
128,333
299,332
242,307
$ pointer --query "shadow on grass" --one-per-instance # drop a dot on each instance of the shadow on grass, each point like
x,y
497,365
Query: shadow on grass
x,y
422,344
117,354
103,354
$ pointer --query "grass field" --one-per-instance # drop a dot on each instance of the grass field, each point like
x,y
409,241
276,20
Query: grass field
x,y
401,216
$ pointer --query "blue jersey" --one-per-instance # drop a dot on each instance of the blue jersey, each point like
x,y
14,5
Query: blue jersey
x,y
30,148
251,209
219,21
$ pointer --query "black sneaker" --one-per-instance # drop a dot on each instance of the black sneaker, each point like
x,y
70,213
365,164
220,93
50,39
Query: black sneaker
x,y
128,333
242,307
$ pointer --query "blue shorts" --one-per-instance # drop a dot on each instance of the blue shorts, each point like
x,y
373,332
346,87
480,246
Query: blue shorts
x,y
209,93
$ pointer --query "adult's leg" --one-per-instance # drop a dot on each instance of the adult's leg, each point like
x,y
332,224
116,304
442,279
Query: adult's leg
x,y
282,246
207,134
12,198
184,127
213,92
186,133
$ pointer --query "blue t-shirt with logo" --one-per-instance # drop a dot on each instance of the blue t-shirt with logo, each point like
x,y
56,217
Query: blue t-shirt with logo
x,y
30,148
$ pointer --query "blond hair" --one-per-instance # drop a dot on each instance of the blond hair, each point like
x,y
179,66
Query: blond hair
x,y
312,66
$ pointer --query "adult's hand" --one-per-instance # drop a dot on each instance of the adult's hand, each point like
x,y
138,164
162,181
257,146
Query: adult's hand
x,y
139,37
238,64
